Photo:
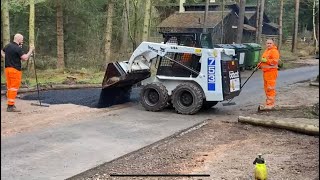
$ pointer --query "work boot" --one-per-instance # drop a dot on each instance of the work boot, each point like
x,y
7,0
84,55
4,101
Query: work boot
x,y
12,108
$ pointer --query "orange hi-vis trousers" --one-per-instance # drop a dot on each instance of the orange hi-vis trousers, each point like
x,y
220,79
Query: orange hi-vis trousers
x,y
269,78
13,78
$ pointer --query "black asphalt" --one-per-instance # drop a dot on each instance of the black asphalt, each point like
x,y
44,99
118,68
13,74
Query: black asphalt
x,y
84,97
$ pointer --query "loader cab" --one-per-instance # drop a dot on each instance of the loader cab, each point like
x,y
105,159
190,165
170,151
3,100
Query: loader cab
x,y
168,68
201,40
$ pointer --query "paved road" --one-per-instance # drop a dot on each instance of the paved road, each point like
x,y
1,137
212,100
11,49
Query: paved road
x,y
253,89
62,151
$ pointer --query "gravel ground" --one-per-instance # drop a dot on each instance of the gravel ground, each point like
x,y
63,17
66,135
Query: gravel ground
x,y
224,149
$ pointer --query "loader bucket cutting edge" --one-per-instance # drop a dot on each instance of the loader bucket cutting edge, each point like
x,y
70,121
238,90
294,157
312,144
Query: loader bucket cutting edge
x,y
117,84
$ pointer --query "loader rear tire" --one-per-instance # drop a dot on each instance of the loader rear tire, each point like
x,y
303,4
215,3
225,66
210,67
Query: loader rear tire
x,y
187,98
154,97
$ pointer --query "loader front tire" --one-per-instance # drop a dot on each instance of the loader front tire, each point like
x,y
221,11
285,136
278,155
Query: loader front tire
x,y
154,97
187,98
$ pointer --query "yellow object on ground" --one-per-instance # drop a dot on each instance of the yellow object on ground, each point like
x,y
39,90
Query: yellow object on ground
x,y
260,172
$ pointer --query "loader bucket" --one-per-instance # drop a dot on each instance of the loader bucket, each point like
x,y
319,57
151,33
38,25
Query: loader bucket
x,y
117,84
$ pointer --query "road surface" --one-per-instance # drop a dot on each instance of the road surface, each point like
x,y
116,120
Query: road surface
x,y
64,150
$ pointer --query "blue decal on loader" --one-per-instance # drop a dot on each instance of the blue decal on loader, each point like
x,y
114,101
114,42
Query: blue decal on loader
x,y
211,74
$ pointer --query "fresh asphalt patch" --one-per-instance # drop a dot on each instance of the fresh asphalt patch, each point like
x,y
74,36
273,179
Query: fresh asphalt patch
x,y
83,97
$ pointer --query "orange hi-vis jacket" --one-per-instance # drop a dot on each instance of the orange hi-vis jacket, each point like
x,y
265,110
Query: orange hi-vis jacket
x,y
272,55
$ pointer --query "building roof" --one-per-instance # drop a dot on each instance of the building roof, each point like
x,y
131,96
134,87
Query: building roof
x,y
249,14
193,19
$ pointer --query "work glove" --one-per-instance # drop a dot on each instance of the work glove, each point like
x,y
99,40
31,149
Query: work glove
x,y
263,60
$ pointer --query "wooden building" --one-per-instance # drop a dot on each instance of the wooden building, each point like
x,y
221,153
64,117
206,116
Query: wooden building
x,y
192,20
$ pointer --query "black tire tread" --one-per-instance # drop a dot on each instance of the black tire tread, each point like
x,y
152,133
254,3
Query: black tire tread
x,y
162,92
199,98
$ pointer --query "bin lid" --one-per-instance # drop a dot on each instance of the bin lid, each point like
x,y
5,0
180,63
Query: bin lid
x,y
253,45
240,46
227,46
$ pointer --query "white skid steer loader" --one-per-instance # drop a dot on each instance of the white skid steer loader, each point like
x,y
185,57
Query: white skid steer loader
x,y
189,78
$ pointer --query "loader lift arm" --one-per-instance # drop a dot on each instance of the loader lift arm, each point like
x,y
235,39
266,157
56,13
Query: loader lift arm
x,y
138,66
150,50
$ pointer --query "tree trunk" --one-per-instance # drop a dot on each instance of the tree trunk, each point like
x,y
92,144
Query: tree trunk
x,y
5,22
108,32
257,20
280,25
146,23
31,23
124,43
135,24
241,19
261,20
129,26
283,107
30,63
317,24
314,26
60,38
5,25
205,29
181,7
296,23
222,21
297,127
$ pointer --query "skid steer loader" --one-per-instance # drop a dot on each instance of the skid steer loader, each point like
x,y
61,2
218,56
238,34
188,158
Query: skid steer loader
x,y
189,78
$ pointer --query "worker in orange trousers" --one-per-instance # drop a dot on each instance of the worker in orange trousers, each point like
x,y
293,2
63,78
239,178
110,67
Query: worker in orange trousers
x,y
269,67
13,55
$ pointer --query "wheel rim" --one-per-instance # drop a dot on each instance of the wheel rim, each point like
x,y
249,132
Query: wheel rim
x,y
186,98
152,97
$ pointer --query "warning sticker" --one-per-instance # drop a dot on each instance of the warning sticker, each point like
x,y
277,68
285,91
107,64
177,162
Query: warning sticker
x,y
234,85
234,81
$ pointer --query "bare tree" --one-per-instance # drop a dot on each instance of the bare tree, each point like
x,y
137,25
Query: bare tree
x,y
31,34
133,36
241,19
60,35
315,2
31,22
261,20
108,32
222,21
5,22
124,43
146,23
257,20
280,25
205,29
296,23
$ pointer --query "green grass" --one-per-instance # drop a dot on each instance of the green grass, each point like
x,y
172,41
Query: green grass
x,y
52,76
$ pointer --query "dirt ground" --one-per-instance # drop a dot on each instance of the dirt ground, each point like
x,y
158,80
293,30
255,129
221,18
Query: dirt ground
x,y
34,117
220,147
225,149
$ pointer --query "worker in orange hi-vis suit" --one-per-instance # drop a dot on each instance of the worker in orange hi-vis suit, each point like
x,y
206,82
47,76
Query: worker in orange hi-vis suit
x,y
13,55
269,66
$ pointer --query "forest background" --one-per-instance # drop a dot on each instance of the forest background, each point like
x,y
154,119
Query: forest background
x,y
79,37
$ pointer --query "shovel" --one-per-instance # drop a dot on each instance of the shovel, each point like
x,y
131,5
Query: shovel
x,y
35,72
